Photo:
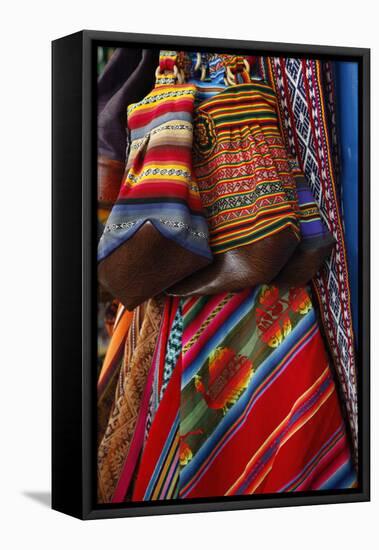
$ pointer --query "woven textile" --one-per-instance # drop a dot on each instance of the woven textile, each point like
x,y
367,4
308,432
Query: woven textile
x,y
158,184
239,396
251,406
110,370
156,233
244,178
115,445
302,106
313,230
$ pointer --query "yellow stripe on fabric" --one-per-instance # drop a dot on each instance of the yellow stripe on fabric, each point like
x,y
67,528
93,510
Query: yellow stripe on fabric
x,y
152,165
172,486
247,177
254,155
144,108
251,93
162,95
141,175
241,133
256,220
256,239
237,133
246,108
241,117
173,180
279,193
251,205
254,129
230,122
220,153
243,232
168,461
238,177
251,237
168,88
255,217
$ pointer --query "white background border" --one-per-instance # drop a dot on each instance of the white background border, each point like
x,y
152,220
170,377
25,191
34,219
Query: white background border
x,y
25,107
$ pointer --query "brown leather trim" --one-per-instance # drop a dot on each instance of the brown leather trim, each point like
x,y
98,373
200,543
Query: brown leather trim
x,y
109,176
146,265
241,268
303,266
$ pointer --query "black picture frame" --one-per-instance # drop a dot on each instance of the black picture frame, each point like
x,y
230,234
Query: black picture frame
x,y
74,275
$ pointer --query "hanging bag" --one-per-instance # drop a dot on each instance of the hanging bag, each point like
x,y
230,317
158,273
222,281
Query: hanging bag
x,y
156,233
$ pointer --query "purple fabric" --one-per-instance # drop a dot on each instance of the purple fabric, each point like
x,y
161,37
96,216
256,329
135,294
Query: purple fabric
x,y
127,78
314,231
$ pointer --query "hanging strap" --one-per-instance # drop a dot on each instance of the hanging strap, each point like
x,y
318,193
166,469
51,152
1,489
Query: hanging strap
x,y
237,67
169,70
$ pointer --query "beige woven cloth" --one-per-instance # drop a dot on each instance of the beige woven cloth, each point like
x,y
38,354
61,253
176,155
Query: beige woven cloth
x,y
137,360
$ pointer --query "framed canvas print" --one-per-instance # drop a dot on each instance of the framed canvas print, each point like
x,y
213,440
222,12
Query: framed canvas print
x,y
210,274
